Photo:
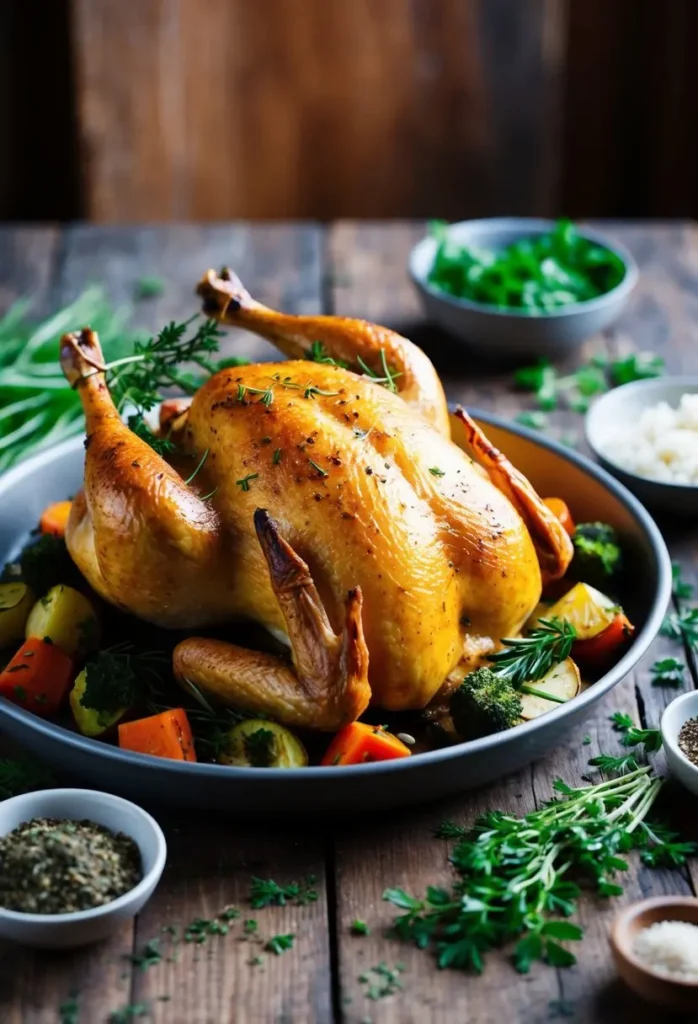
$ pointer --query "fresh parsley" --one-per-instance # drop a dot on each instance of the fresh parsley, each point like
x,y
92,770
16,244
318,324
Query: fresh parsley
x,y
265,892
518,878
668,672
633,736
278,944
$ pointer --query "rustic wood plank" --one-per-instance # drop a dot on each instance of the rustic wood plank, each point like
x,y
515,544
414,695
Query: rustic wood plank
x,y
33,985
365,262
210,867
390,108
210,863
28,257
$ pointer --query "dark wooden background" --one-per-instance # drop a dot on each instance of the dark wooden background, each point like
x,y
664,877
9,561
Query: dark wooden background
x,y
156,110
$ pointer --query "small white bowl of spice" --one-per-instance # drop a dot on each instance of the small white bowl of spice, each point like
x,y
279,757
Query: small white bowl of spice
x,y
646,434
74,864
655,948
679,727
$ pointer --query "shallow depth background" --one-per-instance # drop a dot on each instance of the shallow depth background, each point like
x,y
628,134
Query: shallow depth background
x,y
151,110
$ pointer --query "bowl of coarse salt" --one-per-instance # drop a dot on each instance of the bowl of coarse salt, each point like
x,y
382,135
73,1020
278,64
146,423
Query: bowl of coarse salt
x,y
655,948
646,434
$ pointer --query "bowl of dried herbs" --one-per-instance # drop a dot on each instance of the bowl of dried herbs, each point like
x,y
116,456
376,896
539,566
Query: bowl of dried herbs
x,y
74,864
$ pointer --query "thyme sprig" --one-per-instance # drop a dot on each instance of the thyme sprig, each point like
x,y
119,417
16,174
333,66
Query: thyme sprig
x,y
515,874
389,376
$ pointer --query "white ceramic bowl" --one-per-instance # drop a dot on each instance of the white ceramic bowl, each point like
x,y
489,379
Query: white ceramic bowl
x,y
517,333
678,712
624,405
58,931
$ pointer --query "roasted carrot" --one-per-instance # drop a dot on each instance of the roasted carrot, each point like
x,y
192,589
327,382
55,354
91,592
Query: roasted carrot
x,y
54,519
165,735
599,649
38,677
358,743
559,508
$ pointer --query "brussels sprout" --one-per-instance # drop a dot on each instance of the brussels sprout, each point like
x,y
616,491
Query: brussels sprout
x,y
256,743
92,721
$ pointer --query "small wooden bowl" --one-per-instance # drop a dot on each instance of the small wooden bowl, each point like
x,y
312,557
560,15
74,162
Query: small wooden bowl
x,y
657,988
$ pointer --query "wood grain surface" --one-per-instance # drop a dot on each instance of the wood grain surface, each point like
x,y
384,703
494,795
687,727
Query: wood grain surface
x,y
352,268
316,109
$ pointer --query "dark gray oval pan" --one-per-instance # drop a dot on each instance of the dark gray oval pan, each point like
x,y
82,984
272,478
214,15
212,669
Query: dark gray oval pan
x,y
554,469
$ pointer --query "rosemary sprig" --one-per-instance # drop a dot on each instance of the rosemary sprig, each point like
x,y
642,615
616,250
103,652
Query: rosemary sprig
x,y
244,483
526,659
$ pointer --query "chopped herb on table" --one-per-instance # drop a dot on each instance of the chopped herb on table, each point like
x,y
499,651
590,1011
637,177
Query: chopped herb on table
x,y
278,944
149,287
128,1013
382,981
668,672
268,893
69,1010
359,927
516,874
575,390
21,775
537,275
632,735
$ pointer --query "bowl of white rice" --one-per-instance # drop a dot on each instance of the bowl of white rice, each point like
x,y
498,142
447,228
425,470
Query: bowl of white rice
x,y
646,434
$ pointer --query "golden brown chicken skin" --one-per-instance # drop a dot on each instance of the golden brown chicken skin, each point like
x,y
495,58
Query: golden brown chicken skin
x,y
337,514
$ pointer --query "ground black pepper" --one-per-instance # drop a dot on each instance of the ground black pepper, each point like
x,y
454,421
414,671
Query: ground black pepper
x,y
52,866
688,739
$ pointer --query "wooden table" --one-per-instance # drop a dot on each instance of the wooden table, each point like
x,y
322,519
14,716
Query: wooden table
x,y
356,269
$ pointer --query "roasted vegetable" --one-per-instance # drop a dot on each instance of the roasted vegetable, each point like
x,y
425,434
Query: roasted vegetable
x,y
38,677
359,743
560,509
16,600
42,564
599,650
484,703
165,735
67,618
256,743
586,609
102,693
55,518
562,683
597,554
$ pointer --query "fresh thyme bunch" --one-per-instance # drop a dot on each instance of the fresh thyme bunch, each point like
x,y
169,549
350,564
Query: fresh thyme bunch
x,y
519,877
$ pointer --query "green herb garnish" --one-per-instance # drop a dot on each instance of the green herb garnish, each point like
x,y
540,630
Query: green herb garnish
x,y
632,735
536,275
244,483
265,892
359,927
260,748
149,287
516,874
668,672
278,944
526,659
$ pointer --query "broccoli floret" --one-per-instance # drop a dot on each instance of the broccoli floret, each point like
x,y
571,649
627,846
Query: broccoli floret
x,y
42,564
484,703
110,683
597,554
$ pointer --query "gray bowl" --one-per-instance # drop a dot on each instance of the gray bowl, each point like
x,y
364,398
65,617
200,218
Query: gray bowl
x,y
624,405
512,332
591,494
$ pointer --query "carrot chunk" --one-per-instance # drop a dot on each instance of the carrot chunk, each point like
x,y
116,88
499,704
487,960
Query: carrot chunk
x,y
559,509
359,743
165,735
599,649
54,519
38,677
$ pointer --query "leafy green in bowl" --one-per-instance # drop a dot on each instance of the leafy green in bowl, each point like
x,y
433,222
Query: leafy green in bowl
x,y
541,274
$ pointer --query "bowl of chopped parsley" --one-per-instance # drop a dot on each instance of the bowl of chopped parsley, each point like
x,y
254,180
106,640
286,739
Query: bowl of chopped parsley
x,y
516,286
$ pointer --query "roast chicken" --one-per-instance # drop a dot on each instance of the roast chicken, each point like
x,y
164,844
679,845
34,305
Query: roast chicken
x,y
330,506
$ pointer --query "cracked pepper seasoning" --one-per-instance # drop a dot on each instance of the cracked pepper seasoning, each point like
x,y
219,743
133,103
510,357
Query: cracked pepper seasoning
x,y
51,866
